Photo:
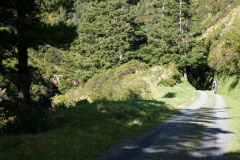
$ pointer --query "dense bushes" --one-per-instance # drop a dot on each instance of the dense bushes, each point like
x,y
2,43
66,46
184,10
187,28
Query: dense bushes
x,y
110,84
128,81
131,80
168,82
223,41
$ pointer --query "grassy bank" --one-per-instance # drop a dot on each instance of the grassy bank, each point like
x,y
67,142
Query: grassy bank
x,y
87,130
229,85
234,119
178,96
230,89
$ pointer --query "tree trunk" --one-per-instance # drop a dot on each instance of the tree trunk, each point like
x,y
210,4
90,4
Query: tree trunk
x,y
183,40
24,82
120,56
1,63
185,74
180,16
163,9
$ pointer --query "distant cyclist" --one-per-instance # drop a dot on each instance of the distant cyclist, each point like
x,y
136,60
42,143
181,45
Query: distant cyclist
x,y
215,86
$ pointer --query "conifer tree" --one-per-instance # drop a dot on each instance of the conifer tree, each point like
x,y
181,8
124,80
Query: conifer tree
x,y
163,33
21,17
23,29
168,32
107,34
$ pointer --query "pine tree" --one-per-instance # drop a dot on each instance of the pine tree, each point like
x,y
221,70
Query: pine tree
x,y
163,33
107,35
21,17
23,29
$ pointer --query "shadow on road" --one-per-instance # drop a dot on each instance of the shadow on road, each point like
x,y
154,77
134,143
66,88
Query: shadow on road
x,y
179,139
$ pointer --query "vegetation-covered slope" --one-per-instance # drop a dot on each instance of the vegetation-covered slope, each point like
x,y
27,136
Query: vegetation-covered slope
x,y
131,80
127,105
229,87
151,34
223,38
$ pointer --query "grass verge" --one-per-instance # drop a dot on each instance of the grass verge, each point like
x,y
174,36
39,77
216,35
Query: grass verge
x,y
234,119
87,130
178,96
230,89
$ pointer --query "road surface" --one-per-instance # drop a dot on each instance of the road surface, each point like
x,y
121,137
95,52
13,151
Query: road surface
x,y
200,132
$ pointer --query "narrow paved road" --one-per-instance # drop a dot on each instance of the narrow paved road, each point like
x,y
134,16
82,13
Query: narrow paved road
x,y
200,132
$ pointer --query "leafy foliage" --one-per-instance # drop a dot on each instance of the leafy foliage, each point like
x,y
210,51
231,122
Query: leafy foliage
x,y
110,84
224,53
129,81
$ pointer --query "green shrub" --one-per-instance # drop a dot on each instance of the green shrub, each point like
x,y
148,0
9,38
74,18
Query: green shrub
x,y
61,100
3,94
172,79
108,85
128,81
168,82
136,88
70,98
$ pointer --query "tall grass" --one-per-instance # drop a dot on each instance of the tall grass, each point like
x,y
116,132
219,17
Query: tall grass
x,y
234,114
230,89
229,85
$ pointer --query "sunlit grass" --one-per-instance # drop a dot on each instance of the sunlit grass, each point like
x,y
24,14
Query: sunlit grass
x,y
234,119
229,87
179,96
